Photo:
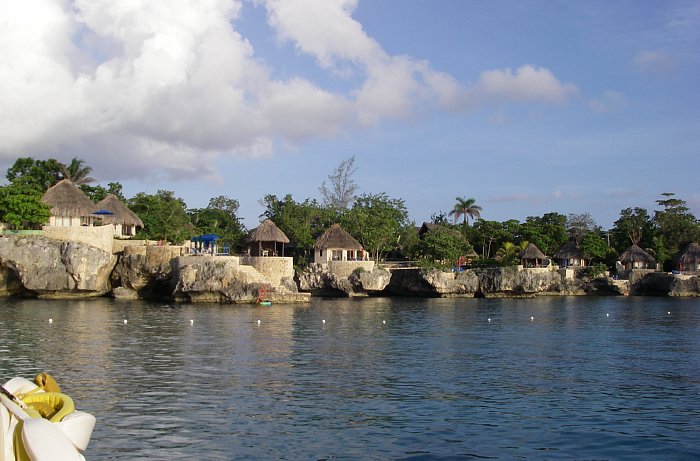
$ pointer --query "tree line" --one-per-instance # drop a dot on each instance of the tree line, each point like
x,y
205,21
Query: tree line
x,y
379,222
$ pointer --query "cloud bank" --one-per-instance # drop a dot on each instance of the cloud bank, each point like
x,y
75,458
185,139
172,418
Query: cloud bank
x,y
154,80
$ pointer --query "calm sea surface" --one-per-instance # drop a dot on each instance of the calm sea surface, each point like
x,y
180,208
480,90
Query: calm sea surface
x,y
550,378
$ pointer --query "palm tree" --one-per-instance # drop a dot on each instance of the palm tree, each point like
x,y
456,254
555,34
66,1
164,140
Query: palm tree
x,y
508,253
77,172
465,208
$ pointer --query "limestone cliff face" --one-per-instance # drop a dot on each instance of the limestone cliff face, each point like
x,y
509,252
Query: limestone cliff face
x,y
224,280
51,268
498,281
660,284
321,280
144,272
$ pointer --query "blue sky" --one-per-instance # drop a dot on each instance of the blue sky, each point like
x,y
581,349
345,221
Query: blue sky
x,y
527,106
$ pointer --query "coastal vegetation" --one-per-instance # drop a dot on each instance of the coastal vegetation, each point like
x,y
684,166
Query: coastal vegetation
x,y
379,222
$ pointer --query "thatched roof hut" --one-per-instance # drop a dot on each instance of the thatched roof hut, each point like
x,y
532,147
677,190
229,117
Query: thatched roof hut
x,y
267,235
531,256
426,227
69,205
336,237
636,258
337,245
570,255
122,217
690,258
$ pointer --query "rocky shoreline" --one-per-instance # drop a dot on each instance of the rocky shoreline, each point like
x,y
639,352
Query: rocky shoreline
x,y
37,266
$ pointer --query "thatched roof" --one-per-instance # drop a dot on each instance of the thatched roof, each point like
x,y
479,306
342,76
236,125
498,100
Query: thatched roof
x,y
67,200
337,237
569,251
531,252
267,232
426,227
120,213
636,254
691,254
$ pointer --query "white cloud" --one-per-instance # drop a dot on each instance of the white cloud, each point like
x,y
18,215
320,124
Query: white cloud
x,y
656,62
167,86
610,101
525,84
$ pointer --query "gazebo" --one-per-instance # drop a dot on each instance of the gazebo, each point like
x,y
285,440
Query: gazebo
x,y
205,243
570,255
531,256
264,240
335,244
70,207
689,260
636,258
125,221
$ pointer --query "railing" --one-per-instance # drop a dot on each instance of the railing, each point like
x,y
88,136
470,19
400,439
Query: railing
x,y
22,232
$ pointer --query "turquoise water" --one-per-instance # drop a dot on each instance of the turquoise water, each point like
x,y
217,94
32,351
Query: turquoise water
x,y
551,378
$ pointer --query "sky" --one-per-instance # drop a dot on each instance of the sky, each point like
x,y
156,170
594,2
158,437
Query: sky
x,y
529,107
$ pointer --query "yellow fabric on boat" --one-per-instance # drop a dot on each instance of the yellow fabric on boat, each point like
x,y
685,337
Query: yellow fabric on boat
x,y
47,382
50,405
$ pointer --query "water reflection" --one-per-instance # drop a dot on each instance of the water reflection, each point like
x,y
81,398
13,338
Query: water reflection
x,y
380,378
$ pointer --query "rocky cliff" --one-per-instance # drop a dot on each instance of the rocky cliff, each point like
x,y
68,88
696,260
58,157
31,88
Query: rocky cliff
x,y
493,282
224,280
319,280
144,272
48,268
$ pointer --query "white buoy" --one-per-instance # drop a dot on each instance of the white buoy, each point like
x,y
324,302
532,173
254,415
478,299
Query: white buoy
x,y
323,321
607,315
532,319
191,322
50,320
383,322
125,321
258,321
669,312
489,319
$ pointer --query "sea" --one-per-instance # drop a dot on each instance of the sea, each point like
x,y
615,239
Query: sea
x,y
371,379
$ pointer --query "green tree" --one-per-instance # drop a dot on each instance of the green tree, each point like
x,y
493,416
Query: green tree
x,y
676,228
444,244
341,187
486,234
77,172
164,216
509,251
377,222
21,205
593,246
547,232
465,208
41,173
633,226
219,218
301,222
98,192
